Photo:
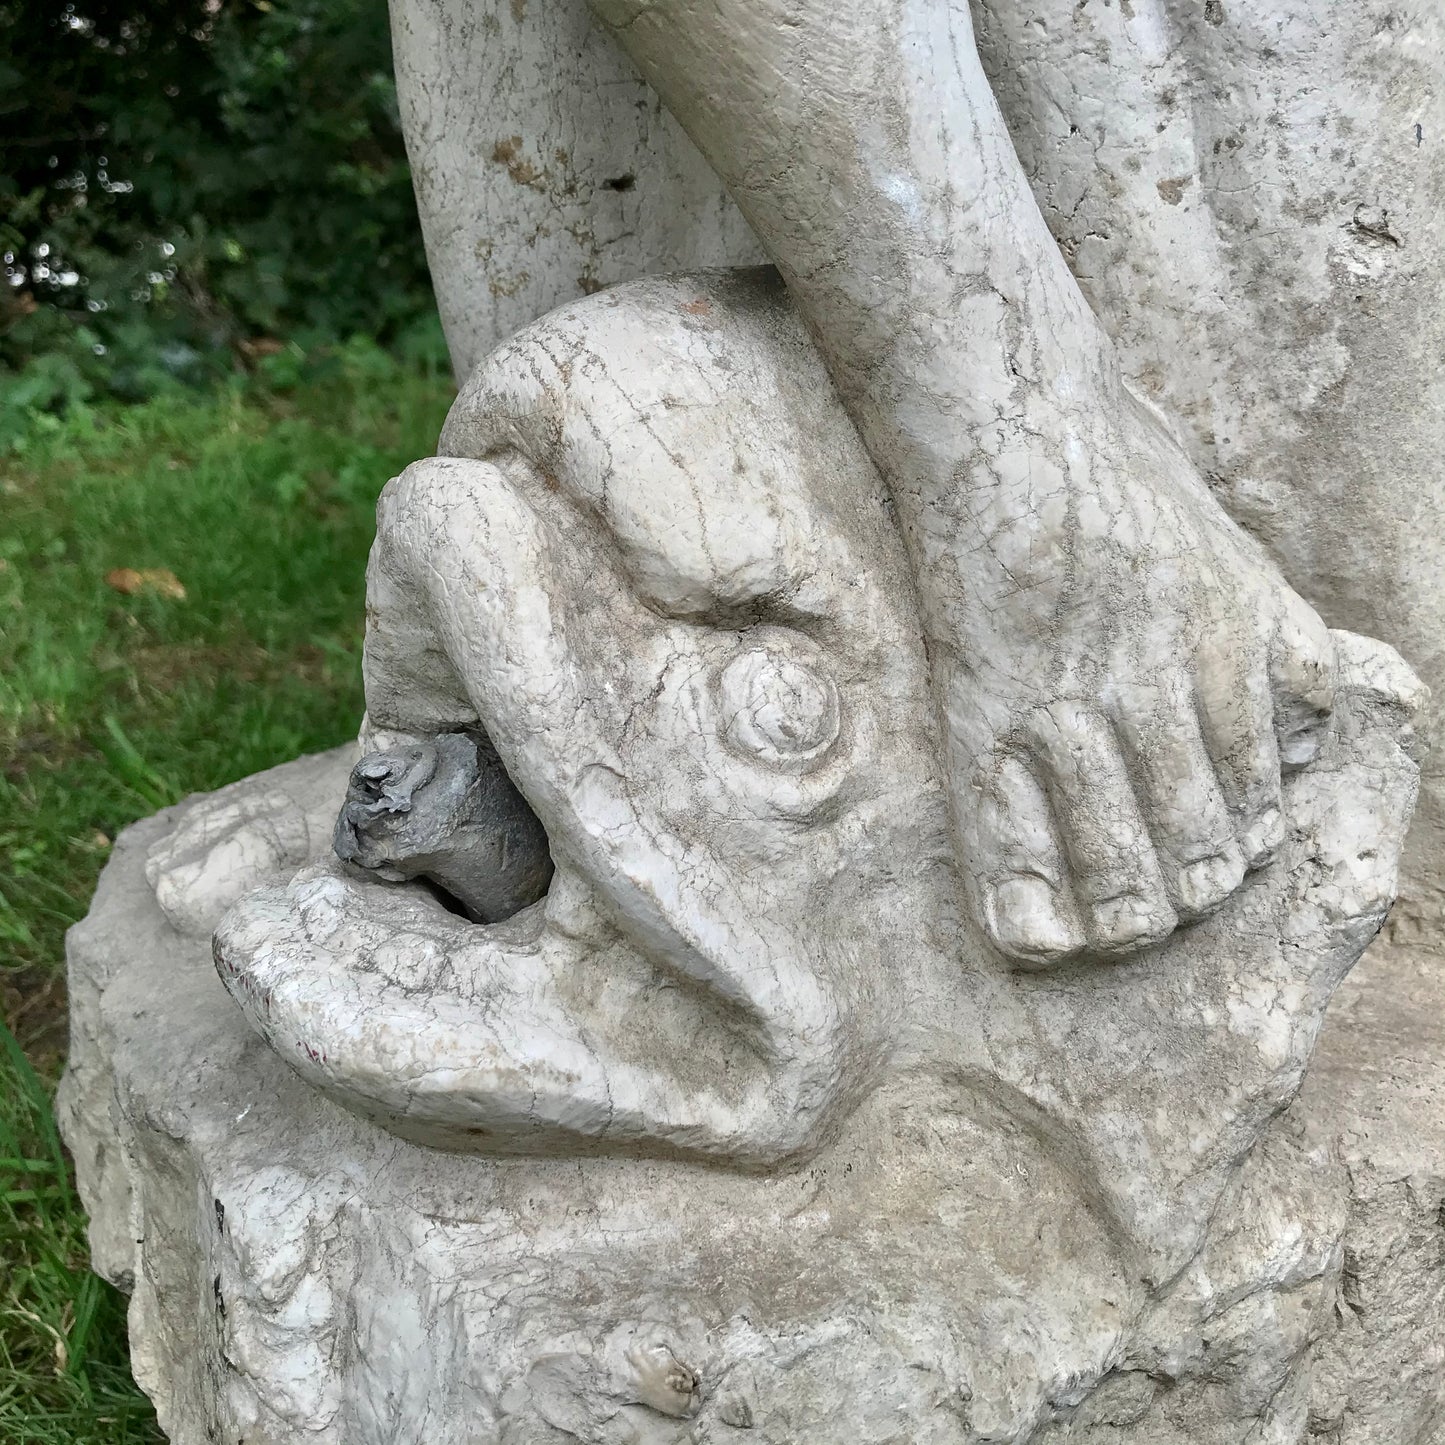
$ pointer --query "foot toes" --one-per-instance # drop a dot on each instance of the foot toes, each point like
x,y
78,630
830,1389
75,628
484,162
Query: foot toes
x,y
1203,885
1131,921
1301,734
1236,710
1027,911
1115,872
1027,919
1185,806
1302,673
1262,837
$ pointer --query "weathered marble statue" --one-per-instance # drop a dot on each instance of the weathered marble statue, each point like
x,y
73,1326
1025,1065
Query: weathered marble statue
x,y
850,847
1249,196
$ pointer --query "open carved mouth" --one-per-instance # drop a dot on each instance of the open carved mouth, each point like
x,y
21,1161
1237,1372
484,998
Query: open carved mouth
x,y
444,810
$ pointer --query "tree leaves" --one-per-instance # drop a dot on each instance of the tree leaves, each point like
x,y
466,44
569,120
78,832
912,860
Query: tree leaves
x,y
178,178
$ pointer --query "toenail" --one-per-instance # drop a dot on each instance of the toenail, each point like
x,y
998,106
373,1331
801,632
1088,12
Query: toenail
x,y
1205,884
1130,920
1028,921
1261,840
1300,740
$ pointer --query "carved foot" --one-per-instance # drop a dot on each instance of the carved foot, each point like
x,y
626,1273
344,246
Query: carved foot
x,y
445,810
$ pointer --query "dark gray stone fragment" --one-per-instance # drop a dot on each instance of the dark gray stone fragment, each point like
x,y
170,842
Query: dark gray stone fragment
x,y
445,810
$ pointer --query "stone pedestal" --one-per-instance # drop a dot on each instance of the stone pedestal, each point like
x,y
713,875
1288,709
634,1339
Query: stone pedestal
x,y
298,1274
1376,1094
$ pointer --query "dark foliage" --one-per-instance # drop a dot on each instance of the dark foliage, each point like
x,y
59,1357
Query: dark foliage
x,y
184,184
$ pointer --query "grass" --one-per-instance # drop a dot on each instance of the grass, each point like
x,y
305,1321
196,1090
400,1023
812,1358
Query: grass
x,y
63,1373
258,502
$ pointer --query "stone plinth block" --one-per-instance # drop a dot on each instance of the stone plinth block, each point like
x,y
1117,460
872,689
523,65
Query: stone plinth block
x,y
943,1269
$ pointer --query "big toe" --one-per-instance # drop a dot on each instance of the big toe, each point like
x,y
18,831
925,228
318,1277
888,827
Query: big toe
x,y
1027,911
1115,873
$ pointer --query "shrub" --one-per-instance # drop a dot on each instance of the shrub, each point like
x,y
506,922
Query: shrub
x,y
188,183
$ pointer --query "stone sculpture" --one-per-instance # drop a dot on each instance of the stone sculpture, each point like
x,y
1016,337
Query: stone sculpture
x,y
545,169
1247,195
848,857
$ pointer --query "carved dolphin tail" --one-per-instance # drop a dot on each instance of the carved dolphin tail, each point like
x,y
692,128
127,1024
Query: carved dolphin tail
x,y
657,571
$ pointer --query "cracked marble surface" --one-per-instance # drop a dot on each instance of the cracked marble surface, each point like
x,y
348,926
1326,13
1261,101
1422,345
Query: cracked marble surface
x,y
853,846
762,1070
942,1269
1247,197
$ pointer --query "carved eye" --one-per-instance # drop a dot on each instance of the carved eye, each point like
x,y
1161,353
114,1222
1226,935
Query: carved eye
x,y
778,710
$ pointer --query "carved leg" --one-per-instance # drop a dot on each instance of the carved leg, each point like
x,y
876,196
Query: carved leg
x,y
1121,674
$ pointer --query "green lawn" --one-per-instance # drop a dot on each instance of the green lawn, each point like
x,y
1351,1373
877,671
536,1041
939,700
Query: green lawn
x,y
258,502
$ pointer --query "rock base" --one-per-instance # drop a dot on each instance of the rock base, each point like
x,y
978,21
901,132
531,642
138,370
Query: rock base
x,y
932,1278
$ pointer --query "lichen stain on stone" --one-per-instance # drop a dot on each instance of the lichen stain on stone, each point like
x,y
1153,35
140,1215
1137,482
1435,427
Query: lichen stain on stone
x,y
508,285
507,152
1171,191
